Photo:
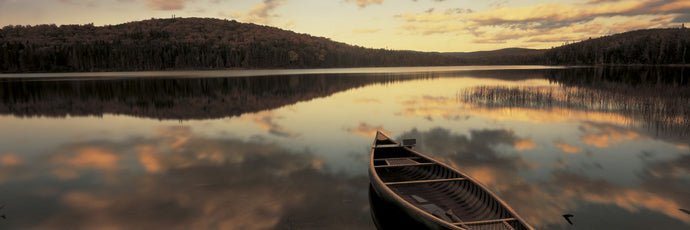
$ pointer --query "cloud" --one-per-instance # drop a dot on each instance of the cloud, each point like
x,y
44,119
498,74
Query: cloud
x,y
459,11
600,1
428,17
261,13
682,18
523,23
365,3
166,4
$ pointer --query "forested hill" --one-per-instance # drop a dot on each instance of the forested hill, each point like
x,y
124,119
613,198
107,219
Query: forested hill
x,y
204,43
185,43
651,46
508,56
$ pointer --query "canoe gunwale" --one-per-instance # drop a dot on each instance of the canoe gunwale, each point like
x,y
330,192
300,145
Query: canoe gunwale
x,y
384,187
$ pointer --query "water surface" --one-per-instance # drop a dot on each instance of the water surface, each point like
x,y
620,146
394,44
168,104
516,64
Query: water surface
x,y
199,150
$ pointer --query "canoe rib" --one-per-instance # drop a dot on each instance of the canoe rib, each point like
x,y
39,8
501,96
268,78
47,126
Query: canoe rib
x,y
435,192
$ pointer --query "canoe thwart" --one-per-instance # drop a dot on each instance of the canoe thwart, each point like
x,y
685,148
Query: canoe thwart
x,y
424,181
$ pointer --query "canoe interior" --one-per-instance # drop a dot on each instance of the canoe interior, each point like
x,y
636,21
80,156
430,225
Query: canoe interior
x,y
438,190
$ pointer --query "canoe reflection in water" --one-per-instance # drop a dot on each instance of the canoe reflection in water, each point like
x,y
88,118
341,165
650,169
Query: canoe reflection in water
x,y
388,216
415,188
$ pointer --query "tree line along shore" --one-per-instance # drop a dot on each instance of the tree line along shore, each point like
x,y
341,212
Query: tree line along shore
x,y
205,43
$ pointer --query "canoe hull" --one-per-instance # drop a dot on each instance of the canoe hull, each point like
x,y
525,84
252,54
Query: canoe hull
x,y
388,215
434,194
391,201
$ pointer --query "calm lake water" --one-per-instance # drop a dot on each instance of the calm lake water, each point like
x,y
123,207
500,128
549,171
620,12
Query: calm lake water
x,y
289,149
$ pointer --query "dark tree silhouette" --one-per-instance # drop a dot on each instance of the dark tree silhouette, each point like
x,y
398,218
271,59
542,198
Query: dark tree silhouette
x,y
186,43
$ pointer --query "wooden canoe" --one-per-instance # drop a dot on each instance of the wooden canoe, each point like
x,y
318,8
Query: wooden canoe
x,y
434,194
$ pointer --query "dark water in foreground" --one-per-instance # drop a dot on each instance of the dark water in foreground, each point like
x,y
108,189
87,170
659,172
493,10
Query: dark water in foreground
x,y
611,146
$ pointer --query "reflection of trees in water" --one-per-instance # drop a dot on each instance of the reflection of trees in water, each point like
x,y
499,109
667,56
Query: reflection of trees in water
x,y
195,98
659,98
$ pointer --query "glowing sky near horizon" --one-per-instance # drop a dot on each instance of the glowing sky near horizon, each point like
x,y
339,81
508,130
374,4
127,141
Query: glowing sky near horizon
x,y
423,25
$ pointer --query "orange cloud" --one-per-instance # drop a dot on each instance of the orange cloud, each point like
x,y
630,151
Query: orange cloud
x,y
567,148
365,3
262,13
166,4
548,22
428,17
366,31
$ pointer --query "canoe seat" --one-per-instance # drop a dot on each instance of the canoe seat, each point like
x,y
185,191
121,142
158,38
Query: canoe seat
x,y
400,161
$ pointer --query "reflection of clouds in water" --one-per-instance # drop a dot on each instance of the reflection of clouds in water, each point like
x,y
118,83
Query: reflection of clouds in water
x,y
430,107
574,186
664,188
367,101
177,179
87,157
670,169
605,135
266,120
455,109
10,167
568,148
524,144
9,160
365,130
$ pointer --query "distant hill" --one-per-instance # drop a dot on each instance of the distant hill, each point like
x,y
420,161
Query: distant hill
x,y
509,51
204,43
186,43
650,46
511,56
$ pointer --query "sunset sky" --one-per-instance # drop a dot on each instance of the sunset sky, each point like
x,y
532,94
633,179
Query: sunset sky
x,y
423,25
